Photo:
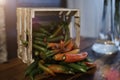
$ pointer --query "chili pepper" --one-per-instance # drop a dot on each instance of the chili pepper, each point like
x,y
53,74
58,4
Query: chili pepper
x,y
70,46
39,39
75,51
30,68
67,36
37,34
66,29
62,45
41,66
56,68
90,64
44,31
56,32
35,72
88,60
70,70
39,43
56,50
55,39
43,55
81,63
36,53
67,42
77,67
58,57
39,48
75,57
69,56
53,45
48,52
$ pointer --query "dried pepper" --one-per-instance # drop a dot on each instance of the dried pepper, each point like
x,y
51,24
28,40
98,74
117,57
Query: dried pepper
x,y
55,52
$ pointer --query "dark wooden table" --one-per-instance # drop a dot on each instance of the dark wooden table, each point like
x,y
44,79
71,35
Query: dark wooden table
x,y
14,69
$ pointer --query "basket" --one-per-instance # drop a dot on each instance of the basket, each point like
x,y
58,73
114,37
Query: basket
x,y
25,17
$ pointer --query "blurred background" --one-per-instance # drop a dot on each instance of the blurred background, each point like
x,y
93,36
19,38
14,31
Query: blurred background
x,y
90,13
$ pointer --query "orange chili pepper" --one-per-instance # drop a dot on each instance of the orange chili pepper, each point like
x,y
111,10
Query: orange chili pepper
x,y
62,44
53,45
75,51
75,57
67,42
69,47
70,57
59,57
56,50
57,68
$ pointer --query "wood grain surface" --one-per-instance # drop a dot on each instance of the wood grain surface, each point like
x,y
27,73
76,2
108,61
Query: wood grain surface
x,y
14,69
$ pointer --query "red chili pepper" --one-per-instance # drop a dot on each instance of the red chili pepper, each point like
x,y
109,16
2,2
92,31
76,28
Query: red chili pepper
x,y
90,64
75,57
60,56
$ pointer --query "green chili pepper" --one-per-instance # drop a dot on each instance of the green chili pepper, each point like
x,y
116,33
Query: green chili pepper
x,y
35,72
56,32
39,48
78,67
50,53
42,30
41,43
67,32
41,66
37,53
43,55
37,34
58,38
39,39
69,70
31,67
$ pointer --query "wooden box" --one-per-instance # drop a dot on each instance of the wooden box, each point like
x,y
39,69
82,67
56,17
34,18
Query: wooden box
x,y
25,18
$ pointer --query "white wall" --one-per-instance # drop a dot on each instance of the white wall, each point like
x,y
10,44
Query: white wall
x,y
42,3
3,51
91,14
